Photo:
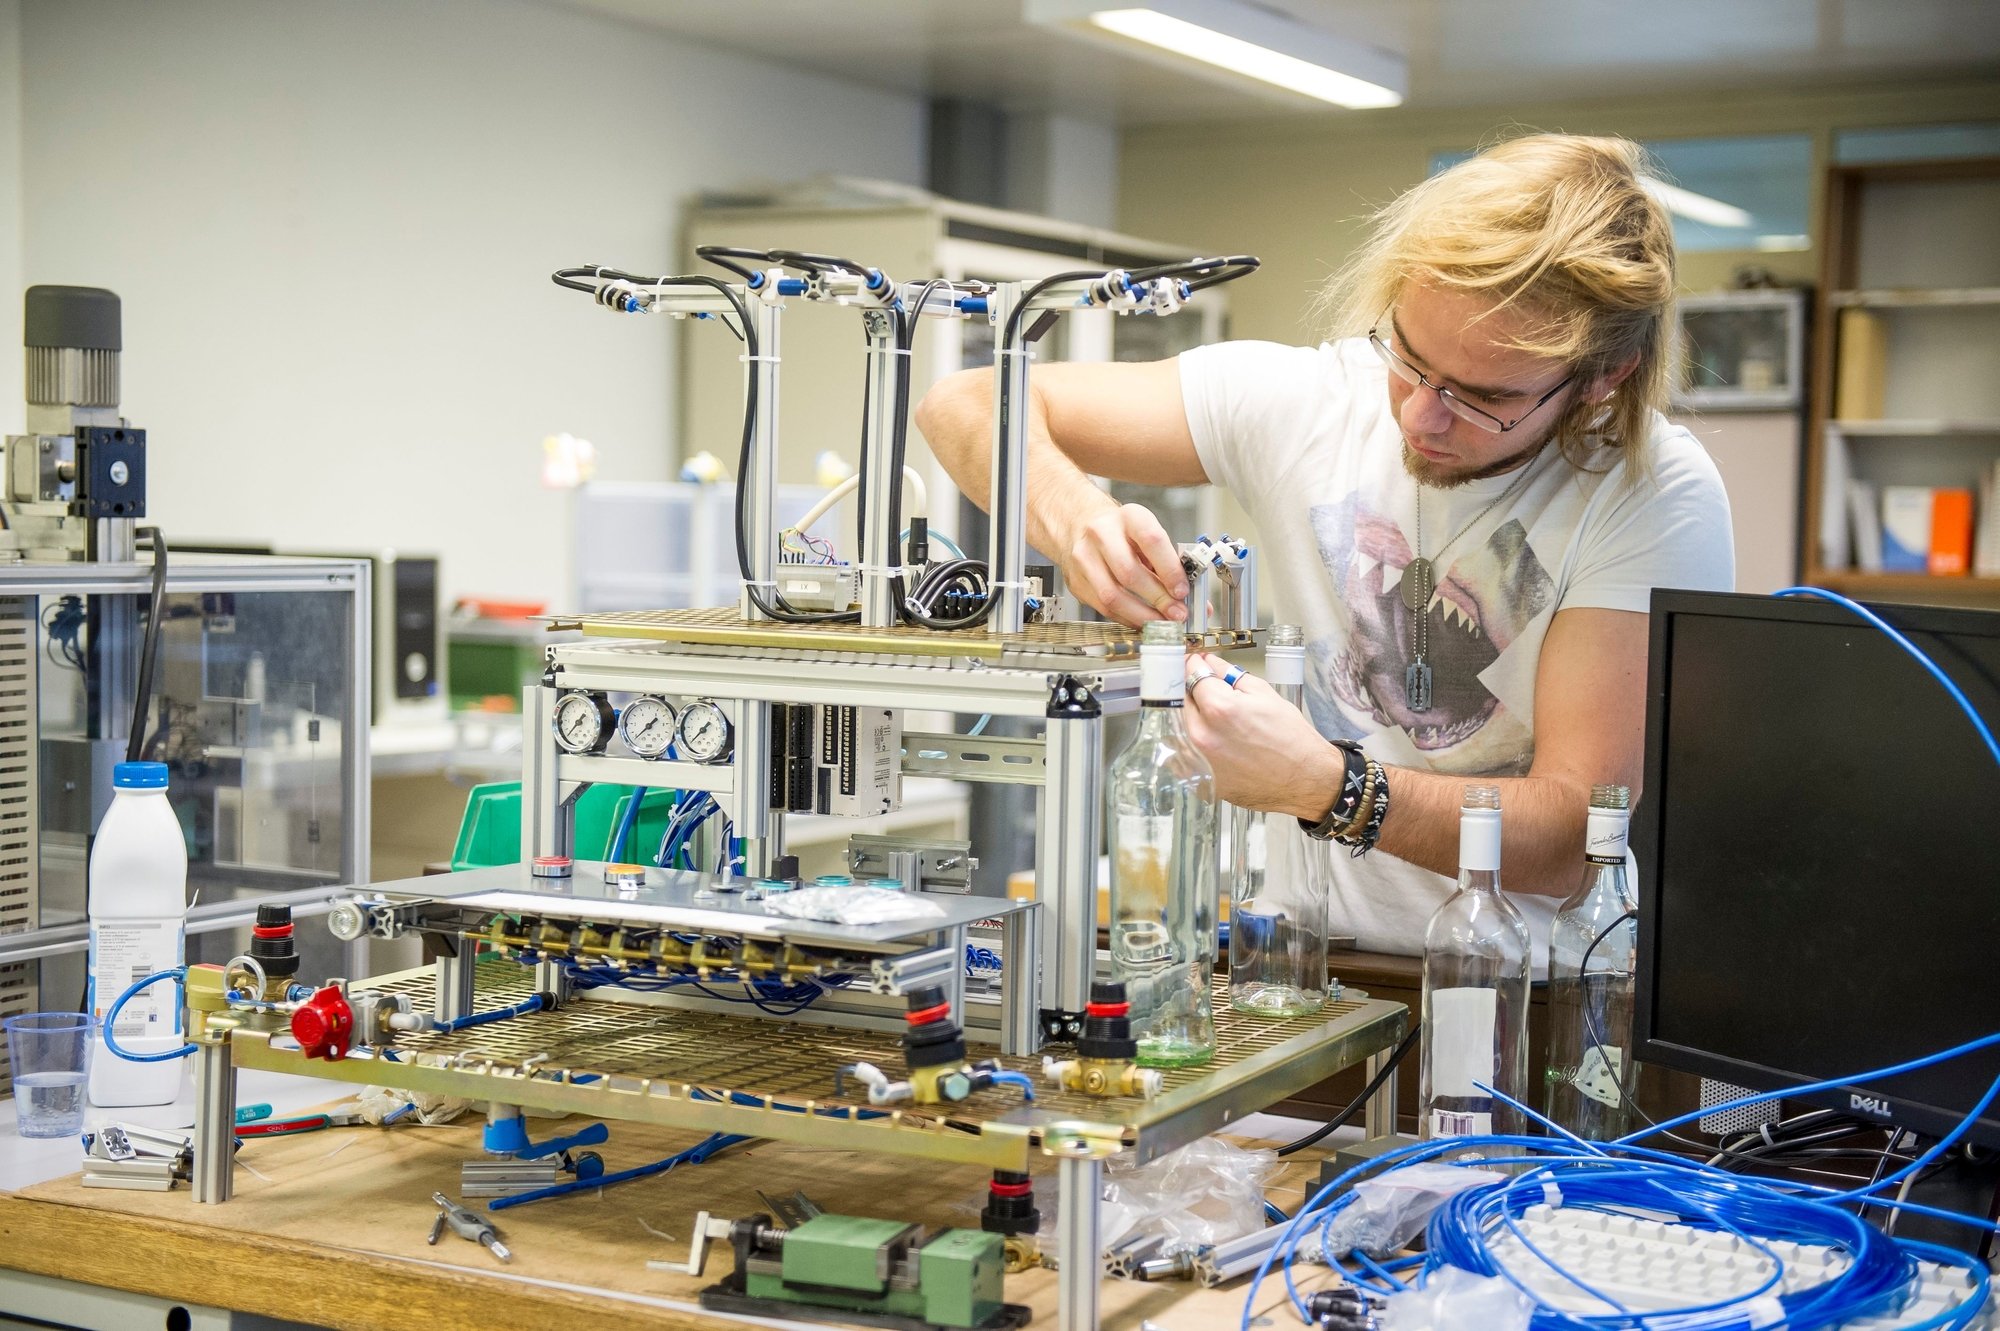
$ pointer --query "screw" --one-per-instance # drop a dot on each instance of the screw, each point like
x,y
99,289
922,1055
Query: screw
x,y
120,473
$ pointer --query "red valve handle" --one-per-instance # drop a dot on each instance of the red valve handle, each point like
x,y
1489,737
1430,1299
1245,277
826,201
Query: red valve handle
x,y
324,1025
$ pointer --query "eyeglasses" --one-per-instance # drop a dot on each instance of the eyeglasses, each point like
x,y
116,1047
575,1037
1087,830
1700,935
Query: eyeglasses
x,y
1453,403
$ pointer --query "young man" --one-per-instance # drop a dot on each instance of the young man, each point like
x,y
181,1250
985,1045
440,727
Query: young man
x,y
1466,507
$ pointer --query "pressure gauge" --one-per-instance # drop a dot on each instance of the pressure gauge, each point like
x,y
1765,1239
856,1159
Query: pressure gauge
x,y
583,722
647,726
705,732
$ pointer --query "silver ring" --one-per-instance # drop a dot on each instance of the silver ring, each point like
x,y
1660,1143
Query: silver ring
x,y
1198,676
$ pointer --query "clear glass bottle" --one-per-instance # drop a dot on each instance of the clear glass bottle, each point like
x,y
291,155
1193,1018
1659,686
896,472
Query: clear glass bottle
x,y
1476,973
1593,962
1277,883
1160,820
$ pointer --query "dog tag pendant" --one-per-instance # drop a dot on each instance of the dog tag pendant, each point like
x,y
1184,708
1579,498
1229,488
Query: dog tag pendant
x,y
1419,581
1417,685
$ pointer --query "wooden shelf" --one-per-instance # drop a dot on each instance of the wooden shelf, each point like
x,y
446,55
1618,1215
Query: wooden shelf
x,y
1916,428
1915,297
1857,583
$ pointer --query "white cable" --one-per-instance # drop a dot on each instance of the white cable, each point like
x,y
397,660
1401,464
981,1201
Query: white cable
x,y
919,495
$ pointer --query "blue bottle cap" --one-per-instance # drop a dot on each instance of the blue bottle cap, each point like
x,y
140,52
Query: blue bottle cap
x,y
139,776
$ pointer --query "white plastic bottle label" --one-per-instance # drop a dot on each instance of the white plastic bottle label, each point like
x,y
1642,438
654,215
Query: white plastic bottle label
x,y
1462,1053
125,953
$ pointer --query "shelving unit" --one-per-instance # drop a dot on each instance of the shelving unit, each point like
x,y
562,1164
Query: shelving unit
x,y
1903,391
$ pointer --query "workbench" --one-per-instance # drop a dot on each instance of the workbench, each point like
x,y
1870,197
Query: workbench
x,y
328,1228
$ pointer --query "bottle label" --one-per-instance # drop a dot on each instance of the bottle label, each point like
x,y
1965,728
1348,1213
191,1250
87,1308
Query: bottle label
x,y
125,953
1461,1040
1597,1075
1162,674
1445,1123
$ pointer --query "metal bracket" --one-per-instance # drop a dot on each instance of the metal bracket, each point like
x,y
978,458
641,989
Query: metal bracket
x,y
898,975
995,758
918,863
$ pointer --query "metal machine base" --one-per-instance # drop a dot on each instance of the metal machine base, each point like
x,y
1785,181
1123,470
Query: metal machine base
x,y
728,1297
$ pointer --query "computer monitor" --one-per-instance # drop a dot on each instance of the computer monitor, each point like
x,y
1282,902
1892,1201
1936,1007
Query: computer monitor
x,y
1818,846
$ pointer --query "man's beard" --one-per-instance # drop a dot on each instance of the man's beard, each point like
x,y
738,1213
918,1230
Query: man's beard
x,y
1440,477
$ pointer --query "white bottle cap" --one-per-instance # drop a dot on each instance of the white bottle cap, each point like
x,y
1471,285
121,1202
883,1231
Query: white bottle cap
x,y
1606,833
1479,830
1285,665
1163,662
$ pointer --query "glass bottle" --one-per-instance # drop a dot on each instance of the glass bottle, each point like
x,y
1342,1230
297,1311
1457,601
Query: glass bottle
x,y
1593,955
1476,967
1277,883
1161,820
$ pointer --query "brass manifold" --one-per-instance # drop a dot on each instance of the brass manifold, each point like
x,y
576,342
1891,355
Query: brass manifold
x,y
661,952
1103,1076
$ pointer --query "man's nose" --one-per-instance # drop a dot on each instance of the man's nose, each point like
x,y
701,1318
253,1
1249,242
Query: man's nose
x,y
1424,412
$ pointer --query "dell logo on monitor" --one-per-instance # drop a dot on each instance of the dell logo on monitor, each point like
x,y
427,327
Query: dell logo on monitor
x,y
1873,1105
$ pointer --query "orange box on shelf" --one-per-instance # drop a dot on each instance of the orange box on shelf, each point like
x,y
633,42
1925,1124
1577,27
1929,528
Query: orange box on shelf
x,y
1951,532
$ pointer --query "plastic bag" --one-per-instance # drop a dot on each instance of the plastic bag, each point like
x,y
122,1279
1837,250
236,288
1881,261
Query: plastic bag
x,y
1392,1208
1209,1191
854,904
1452,1298
378,1103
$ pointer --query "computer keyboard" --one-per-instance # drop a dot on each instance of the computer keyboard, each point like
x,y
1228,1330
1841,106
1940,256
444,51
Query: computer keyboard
x,y
1650,1265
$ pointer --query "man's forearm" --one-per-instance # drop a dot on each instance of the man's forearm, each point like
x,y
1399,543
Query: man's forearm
x,y
1543,821
959,428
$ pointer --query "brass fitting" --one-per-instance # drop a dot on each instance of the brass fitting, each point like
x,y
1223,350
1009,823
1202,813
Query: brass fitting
x,y
1103,1077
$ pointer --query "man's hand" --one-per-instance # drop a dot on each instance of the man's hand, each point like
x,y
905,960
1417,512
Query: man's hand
x,y
1121,563
1265,753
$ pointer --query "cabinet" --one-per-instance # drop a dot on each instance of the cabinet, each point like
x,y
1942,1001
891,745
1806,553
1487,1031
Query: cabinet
x,y
1739,389
1905,394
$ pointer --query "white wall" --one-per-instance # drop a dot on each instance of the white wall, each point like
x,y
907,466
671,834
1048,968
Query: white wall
x,y
13,373
333,224
1063,166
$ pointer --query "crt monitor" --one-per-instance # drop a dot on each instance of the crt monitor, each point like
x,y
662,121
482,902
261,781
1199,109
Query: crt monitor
x,y
1818,846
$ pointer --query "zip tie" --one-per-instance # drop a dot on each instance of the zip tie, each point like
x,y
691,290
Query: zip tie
x,y
761,360
890,351
1029,352
753,582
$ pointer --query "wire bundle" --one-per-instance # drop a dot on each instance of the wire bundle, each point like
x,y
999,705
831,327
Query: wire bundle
x,y
1623,1176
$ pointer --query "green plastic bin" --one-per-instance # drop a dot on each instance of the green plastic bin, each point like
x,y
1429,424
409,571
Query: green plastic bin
x,y
490,831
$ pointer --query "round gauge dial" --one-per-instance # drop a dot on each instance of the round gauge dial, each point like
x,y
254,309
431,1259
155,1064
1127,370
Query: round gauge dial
x,y
582,722
704,732
647,726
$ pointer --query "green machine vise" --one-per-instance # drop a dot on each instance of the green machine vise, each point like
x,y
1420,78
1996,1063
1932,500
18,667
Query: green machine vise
x,y
881,1272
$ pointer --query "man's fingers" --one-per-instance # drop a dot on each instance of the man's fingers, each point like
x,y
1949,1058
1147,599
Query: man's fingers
x,y
1150,540
1095,584
1132,575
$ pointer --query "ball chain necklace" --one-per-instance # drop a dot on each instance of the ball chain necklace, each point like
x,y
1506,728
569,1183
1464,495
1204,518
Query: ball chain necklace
x,y
1420,581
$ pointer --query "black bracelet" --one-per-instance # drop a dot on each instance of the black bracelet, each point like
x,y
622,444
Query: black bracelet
x,y
1339,818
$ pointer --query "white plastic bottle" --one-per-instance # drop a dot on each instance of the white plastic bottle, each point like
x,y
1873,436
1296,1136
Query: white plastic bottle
x,y
138,926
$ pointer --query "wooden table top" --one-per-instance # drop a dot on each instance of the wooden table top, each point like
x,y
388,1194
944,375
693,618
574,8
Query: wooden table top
x,y
329,1228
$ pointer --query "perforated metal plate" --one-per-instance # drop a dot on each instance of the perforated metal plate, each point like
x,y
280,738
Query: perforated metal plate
x,y
724,626
773,1078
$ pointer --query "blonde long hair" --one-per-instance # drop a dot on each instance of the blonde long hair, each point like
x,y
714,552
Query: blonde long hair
x,y
1559,227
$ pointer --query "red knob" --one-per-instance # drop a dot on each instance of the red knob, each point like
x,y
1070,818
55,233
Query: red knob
x,y
324,1025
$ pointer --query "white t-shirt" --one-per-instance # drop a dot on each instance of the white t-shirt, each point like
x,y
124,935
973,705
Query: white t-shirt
x,y
1305,439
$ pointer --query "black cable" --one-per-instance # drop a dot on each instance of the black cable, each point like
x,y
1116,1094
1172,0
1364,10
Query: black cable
x,y
149,654
1359,1102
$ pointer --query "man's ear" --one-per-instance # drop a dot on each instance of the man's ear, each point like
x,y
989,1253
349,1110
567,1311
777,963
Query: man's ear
x,y
1606,384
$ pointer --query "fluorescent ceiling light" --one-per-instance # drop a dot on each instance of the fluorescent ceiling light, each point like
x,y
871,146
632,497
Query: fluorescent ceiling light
x,y
1783,244
1241,41
1697,207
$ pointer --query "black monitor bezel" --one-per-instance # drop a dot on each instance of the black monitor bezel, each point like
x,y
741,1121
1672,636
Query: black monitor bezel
x,y
1927,1119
